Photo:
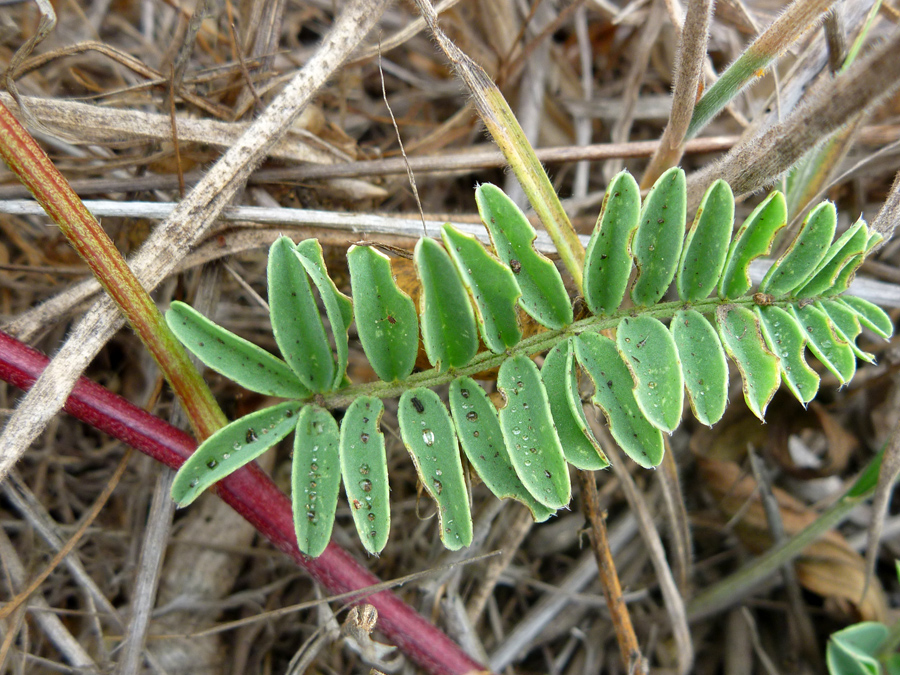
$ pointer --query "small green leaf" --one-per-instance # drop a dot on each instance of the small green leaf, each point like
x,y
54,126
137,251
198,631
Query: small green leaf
x,y
491,285
578,443
234,357
831,349
315,478
529,433
385,316
365,472
741,337
649,351
848,271
753,239
703,364
296,321
854,650
787,341
427,431
706,245
448,322
614,396
481,437
231,447
338,306
656,246
607,263
544,295
852,242
846,322
871,316
804,254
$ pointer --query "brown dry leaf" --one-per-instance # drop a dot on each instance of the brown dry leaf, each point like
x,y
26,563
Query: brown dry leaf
x,y
828,567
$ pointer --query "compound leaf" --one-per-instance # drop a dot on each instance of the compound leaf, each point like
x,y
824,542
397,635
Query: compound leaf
x,y
296,321
753,239
427,431
649,351
448,322
481,437
492,287
580,447
607,263
614,396
742,339
385,316
231,447
365,472
234,357
703,365
544,295
656,246
787,341
529,433
315,478
706,245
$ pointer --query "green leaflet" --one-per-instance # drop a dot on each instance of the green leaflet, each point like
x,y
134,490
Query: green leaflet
x,y
296,321
365,473
580,447
427,431
848,270
847,324
315,478
871,316
703,365
529,433
231,447
607,263
614,396
656,246
448,322
338,306
234,357
804,254
649,351
788,342
492,286
849,244
752,240
385,315
481,437
544,295
855,649
834,353
741,337
706,245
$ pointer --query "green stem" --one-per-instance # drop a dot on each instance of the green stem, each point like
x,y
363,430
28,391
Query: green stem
x,y
50,188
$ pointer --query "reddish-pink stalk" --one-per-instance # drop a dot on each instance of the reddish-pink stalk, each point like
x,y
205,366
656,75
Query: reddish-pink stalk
x,y
253,495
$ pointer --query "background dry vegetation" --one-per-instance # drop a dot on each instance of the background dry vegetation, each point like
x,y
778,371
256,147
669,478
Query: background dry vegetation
x,y
597,73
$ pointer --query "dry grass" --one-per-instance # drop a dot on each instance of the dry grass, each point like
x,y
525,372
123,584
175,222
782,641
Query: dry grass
x,y
104,114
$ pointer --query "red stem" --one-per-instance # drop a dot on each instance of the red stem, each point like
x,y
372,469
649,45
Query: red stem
x,y
253,495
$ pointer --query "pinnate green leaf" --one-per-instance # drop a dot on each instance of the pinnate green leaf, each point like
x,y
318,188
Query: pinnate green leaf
x,y
607,263
481,437
365,473
232,356
656,246
530,436
787,341
753,239
315,478
448,322
703,365
614,396
427,431
231,447
804,254
740,333
385,316
544,295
